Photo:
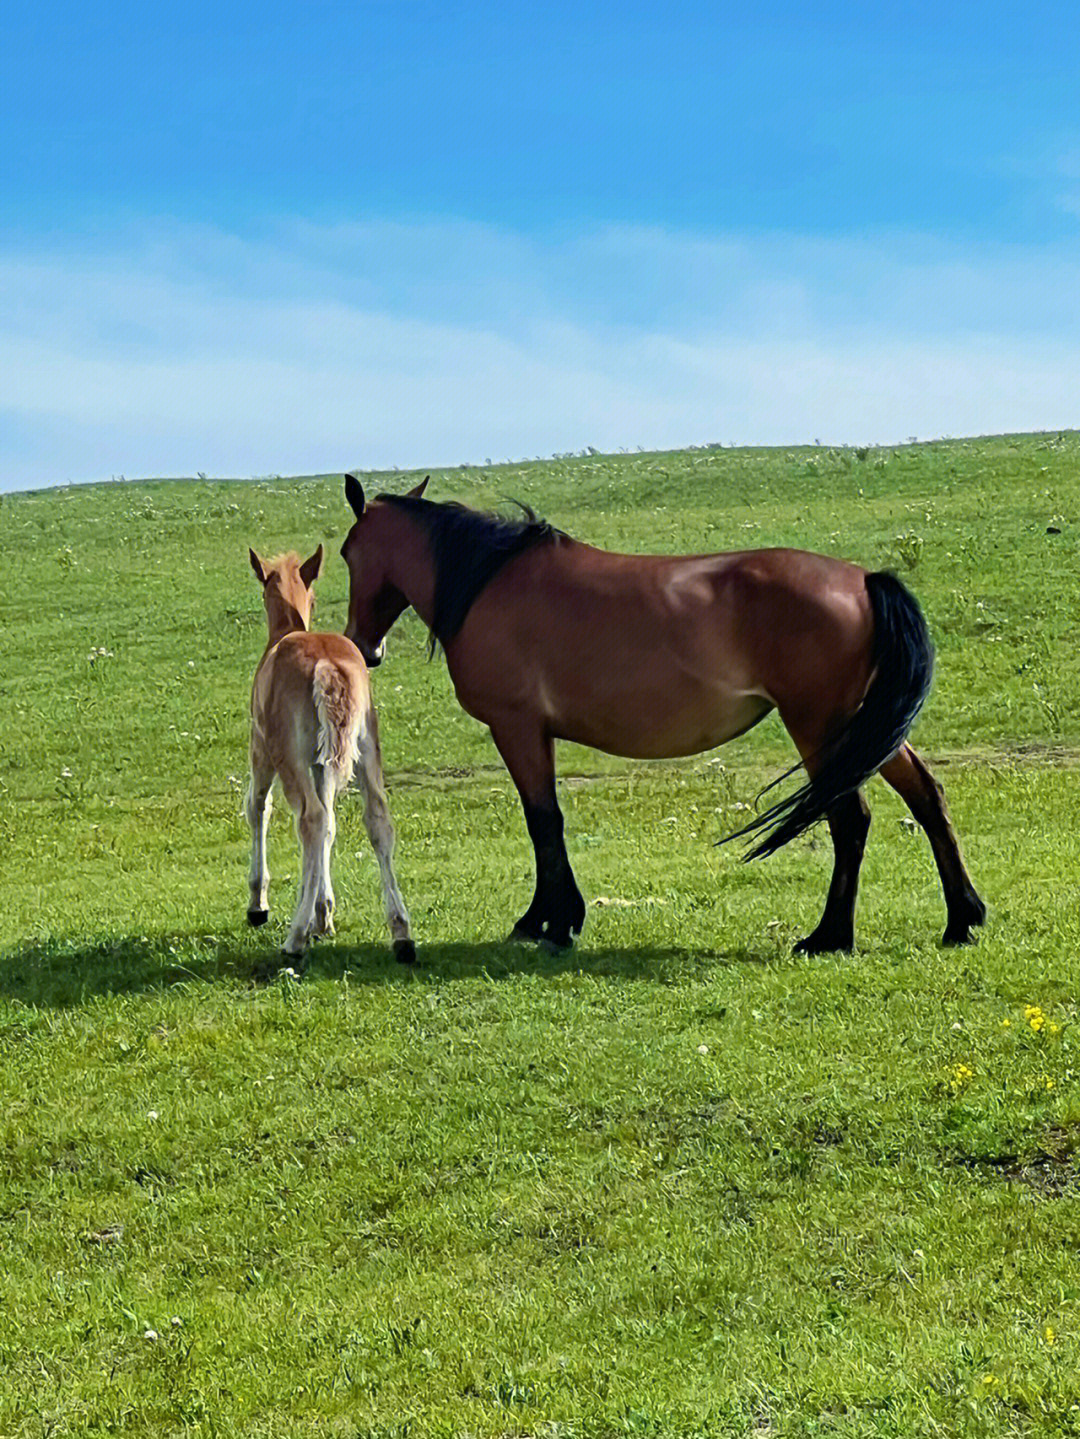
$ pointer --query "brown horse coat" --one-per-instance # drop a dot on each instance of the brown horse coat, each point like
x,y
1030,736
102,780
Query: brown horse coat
x,y
656,656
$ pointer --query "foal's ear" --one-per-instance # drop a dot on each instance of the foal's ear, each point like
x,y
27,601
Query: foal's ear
x,y
418,490
258,566
354,493
309,570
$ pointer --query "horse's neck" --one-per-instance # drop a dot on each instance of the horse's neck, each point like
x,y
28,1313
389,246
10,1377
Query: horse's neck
x,y
413,568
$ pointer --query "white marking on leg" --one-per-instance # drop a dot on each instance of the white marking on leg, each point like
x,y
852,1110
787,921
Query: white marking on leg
x,y
324,895
309,827
257,809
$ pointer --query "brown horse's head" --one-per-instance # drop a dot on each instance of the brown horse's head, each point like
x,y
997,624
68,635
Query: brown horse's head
x,y
287,593
374,601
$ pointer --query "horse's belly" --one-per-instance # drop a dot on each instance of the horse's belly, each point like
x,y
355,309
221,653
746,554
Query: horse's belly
x,y
650,728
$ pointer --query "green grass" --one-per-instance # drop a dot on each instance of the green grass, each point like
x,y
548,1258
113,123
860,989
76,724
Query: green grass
x,y
677,1182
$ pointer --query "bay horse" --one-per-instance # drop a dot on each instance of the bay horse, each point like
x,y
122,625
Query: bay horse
x,y
656,656
311,721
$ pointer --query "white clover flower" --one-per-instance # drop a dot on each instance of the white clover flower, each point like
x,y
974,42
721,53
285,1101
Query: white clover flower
x,y
150,1334
152,1114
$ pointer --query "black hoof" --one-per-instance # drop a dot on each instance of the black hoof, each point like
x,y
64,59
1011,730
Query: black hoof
x,y
965,916
255,917
527,930
579,911
521,936
556,941
404,951
825,943
956,935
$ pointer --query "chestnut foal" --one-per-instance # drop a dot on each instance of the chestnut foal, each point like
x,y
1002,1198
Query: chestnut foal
x,y
311,719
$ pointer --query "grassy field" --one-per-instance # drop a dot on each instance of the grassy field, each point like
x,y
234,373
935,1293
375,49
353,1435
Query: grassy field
x,y
674,1183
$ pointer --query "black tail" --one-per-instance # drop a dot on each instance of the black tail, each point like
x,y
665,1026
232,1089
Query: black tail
x,y
903,667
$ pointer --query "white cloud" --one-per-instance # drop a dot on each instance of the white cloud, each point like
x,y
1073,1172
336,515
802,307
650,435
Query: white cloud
x,y
377,345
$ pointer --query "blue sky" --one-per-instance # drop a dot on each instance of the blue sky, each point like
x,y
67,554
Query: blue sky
x,y
293,238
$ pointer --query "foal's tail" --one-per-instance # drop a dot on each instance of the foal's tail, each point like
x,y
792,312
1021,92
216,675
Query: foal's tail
x,y
339,719
903,660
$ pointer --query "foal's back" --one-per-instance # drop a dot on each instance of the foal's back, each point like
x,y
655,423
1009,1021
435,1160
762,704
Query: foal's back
x,y
307,687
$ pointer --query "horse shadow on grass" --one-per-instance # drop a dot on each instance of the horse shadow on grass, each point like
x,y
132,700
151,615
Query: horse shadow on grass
x,y
63,974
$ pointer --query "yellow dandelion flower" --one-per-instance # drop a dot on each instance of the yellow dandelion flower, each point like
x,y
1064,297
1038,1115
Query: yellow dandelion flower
x,y
1053,1028
1006,1024
1032,1011
1048,1334
989,1379
958,1076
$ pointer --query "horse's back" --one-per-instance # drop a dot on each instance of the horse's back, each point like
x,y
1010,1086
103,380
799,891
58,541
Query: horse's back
x,y
655,655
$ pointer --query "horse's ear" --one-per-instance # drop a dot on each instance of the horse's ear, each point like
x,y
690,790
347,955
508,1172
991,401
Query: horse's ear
x,y
354,493
418,490
258,566
309,570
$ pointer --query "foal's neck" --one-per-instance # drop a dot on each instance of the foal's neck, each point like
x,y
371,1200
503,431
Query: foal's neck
x,y
282,619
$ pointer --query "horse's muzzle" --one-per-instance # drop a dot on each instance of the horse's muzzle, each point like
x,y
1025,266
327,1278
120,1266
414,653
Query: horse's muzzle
x,y
373,658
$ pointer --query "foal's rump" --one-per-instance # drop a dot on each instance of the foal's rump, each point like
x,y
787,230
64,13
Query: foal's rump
x,y
339,708
315,702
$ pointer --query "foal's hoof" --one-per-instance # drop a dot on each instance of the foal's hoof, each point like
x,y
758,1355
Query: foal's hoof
x,y
405,951
255,917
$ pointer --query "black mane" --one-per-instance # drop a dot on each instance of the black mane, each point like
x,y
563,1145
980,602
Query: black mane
x,y
469,548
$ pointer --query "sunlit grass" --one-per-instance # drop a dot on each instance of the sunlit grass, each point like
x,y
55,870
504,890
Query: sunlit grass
x,y
677,1182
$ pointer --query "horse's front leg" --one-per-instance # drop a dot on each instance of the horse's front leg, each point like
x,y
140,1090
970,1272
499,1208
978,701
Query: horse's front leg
x,y
380,828
557,911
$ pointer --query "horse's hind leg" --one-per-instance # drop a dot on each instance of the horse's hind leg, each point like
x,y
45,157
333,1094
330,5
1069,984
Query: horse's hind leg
x,y
849,823
925,797
257,809
557,910
380,828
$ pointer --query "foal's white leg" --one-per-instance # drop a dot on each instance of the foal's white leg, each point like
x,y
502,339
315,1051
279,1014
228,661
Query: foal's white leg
x,y
380,830
257,808
310,827
324,890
